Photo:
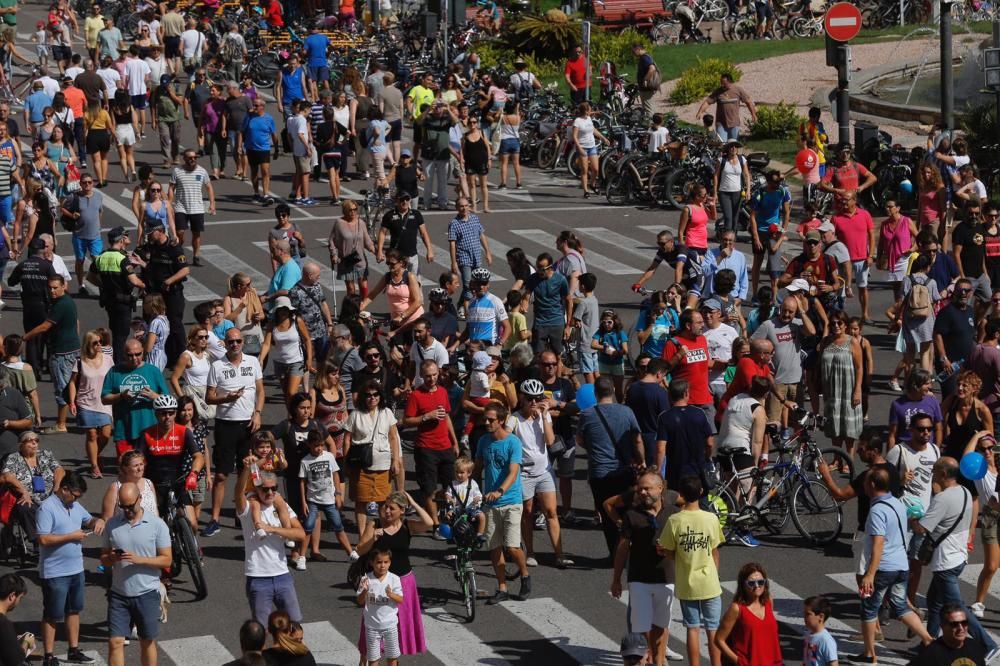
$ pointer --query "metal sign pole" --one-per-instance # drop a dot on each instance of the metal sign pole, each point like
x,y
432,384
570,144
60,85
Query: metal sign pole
x,y
586,57
444,23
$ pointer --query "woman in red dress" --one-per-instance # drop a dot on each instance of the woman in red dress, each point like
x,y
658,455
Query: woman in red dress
x,y
748,633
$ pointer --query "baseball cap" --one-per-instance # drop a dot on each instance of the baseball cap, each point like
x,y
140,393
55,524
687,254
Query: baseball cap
x,y
166,79
406,152
798,284
494,351
712,304
401,195
772,228
813,235
36,243
481,360
116,233
634,645
283,302
826,226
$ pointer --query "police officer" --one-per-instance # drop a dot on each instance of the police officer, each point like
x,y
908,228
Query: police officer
x,y
403,224
164,274
115,273
33,275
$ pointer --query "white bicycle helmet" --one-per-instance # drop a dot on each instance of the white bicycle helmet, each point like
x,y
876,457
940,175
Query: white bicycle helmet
x,y
532,388
438,295
481,275
164,402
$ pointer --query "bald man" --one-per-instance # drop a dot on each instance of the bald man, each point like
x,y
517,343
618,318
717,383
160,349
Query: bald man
x,y
130,388
310,302
136,548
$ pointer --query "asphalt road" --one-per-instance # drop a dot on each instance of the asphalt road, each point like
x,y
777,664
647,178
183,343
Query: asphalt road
x,y
570,617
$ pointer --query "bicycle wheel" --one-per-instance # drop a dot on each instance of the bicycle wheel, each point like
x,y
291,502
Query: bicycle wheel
x,y
470,590
619,191
835,459
548,152
722,503
665,32
715,10
189,552
774,514
816,514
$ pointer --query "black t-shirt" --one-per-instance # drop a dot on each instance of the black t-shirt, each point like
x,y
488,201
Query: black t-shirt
x,y
562,390
165,454
407,178
162,261
10,650
645,62
276,657
403,230
957,327
670,257
864,502
972,653
644,565
972,238
293,438
13,131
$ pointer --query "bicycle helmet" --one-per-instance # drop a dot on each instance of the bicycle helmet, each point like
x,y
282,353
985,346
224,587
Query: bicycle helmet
x,y
532,388
481,275
438,295
165,402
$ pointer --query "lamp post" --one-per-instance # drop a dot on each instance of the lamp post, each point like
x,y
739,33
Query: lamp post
x,y
947,72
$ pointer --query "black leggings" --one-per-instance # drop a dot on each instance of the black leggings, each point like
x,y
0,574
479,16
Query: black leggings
x,y
730,202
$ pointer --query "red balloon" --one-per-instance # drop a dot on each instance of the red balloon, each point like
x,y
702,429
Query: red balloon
x,y
806,160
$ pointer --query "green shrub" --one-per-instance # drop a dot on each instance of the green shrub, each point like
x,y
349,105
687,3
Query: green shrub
x,y
699,80
494,53
775,121
544,37
616,47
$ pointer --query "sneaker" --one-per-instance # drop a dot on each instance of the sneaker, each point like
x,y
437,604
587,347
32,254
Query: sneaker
x,y
50,660
894,385
992,654
519,186
211,529
673,655
257,198
569,518
334,201
747,539
540,522
525,590
290,544
480,540
196,260
438,536
300,563
83,290
978,609
76,656
564,562
354,556
307,202
268,201
532,562
450,557
502,186
861,659
500,595
318,557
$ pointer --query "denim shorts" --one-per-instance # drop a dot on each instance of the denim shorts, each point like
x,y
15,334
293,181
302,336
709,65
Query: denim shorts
x,y
81,246
62,596
296,369
86,418
319,74
143,611
331,514
139,102
893,583
588,360
510,146
704,613
61,366
7,209
593,151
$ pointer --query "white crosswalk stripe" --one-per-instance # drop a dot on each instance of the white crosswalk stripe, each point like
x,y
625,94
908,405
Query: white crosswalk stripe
x,y
329,646
594,260
327,276
619,241
450,641
677,633
970,575
566,630
227,262
443,258
197,650
376,269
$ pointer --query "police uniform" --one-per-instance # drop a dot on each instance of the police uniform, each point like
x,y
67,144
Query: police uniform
x,y
162,262
113,269
33,275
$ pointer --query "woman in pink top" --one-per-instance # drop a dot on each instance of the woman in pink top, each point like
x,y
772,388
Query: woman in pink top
x,y
693,228
931,199
85,398
402,290
895,243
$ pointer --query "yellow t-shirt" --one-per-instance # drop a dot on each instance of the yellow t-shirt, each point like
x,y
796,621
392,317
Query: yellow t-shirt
x,y
92,26
518,323
420,96
693,535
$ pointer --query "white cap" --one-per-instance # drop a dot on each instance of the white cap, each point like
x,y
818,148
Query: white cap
x,y
798,284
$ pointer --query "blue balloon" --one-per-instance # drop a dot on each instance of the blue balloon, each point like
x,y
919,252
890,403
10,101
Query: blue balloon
x,y
585,398
445,530
973,466
906,186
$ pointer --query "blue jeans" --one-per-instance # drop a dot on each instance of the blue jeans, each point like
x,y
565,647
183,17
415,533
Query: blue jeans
x,y
727,133
944,590
465,273
892,583
269,593
329,512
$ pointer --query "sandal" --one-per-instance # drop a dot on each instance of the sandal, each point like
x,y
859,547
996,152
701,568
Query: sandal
x,y
96,474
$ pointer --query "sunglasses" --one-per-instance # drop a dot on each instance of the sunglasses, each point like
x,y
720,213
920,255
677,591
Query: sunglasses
x,y
201,337
156,189
812,242
139,355
963,291
373,395
268,489
237,341
958,623
548,365
751,584
489,419
923,428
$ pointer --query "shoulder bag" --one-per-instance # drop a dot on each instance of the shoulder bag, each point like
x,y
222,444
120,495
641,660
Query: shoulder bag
x,y
361,455
929,545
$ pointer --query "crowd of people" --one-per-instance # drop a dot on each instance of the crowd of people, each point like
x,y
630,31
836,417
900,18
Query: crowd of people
x,y
496,410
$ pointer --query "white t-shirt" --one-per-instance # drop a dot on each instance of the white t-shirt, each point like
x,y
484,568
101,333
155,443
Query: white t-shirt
x,y
73,72
265,557
534,453
657,138
585,132
111,79
49,85
59,266
467,493
216,348
227,378
191,43
480,384
381,611
136,71
720,348
157,68
318,472
437,352
361,425
918,462
945,509
297,125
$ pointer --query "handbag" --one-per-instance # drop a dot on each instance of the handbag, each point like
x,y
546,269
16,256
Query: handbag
x,y
927,547
252,344
362,456
72,178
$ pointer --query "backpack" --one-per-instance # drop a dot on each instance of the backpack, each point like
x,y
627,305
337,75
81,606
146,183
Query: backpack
x,y
918,301
653,79
522,86
68,222
231,51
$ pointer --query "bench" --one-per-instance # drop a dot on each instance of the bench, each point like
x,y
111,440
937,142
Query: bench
x,y
640,14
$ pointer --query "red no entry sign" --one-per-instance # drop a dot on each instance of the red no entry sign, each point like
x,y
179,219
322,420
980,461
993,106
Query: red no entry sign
x,y
842,22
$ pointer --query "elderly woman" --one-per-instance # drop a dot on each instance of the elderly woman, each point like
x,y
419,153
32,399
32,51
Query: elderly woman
x,y
33,474
15,415
243,307
348,241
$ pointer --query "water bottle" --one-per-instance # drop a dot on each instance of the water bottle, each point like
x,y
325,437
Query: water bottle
x,y
712,477
255,473
955,367
372,509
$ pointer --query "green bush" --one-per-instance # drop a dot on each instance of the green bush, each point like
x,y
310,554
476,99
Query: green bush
x,y
699,80
775,121
492,54
616,47
548,37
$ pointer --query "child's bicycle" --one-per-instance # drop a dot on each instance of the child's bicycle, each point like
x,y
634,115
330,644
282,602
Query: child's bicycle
x,y
464,534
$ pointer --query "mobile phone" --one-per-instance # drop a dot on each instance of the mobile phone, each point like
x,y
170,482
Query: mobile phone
x,y
119,552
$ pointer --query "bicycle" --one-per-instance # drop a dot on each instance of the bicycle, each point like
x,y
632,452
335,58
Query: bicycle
x,y
465,572
184,545
373,205
16,94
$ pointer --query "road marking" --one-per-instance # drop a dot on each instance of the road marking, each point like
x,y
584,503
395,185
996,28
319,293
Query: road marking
x,y
848,580
328,646
615,239
327,276
380,269
196,650
196,292
593,259
971,576
565,630
451,643
443,258
228,263
524,196
654,228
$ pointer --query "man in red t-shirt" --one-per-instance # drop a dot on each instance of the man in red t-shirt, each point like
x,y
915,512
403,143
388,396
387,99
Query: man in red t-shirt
x,y
856,230
687,358
576,75
272,13
436,446
847,174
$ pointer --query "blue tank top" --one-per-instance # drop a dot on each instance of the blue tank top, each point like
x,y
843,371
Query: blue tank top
x,y
291,86
160,215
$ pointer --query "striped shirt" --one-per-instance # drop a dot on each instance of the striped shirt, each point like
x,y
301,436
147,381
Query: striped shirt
x,y
187,190
6,173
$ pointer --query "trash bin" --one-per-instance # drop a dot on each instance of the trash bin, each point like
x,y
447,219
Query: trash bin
x,y
863,133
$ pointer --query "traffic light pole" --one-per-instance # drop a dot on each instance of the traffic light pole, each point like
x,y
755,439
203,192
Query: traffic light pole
x,y
947,71
837,56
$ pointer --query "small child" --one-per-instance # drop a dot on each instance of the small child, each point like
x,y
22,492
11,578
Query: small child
x,y
41,41
268,459
219,322
611,343
378,140
810,219
586,316
479,389
658,136
463,496
321,491
381,592
517,306
741,348
819,648
775,263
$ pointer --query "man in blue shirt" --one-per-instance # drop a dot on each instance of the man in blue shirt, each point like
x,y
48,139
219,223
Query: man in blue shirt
x,y
61,525
260,136
287,276
552,304
944,270
34,105
498,458
291,86
727,256
316,45
772,205
486,317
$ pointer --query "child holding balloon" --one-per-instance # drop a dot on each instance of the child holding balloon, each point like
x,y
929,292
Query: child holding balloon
x,y
808,166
